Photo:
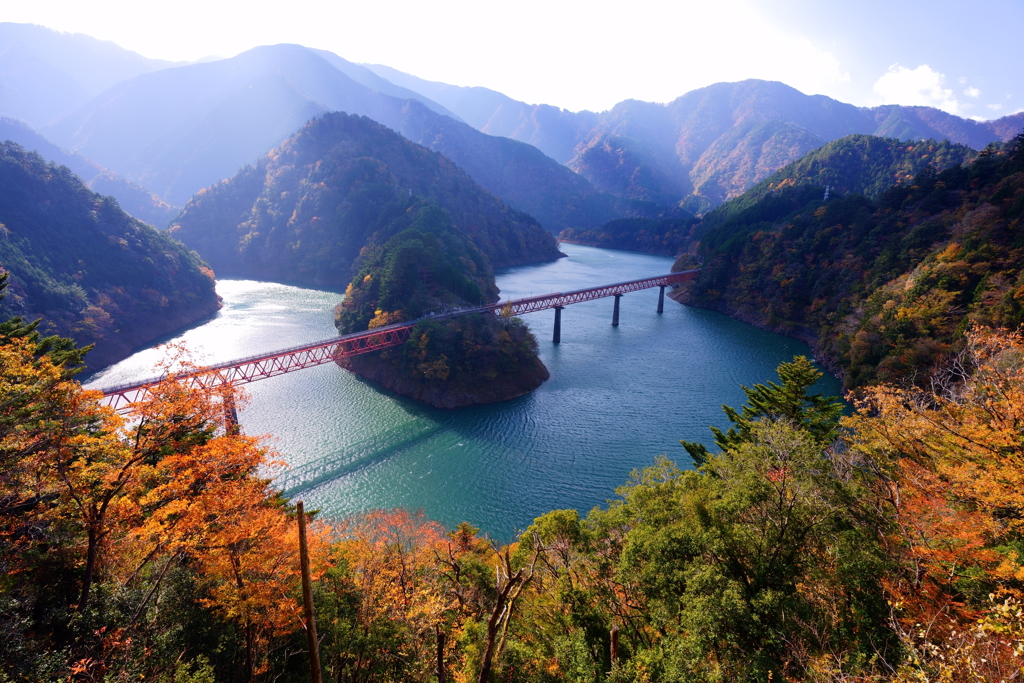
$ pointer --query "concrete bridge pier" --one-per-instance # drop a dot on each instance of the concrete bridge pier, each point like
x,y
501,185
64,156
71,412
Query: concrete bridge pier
x,y
557,337
661,300
615,313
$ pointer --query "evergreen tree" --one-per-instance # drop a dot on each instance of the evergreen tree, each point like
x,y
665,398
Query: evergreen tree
x,y
818,415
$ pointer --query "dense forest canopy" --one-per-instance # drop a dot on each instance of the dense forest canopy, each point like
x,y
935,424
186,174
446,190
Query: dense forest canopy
x,y
90,270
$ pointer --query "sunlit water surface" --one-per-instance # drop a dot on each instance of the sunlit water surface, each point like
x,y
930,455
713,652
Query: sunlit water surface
x,y
617,397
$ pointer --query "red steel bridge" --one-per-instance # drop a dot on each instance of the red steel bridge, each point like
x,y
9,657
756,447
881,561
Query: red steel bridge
x,y
252,368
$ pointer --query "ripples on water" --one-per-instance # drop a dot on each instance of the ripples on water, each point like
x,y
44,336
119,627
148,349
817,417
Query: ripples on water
x,y
617,398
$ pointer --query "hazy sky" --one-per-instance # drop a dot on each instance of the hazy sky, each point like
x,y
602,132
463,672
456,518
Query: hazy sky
x,y
963,56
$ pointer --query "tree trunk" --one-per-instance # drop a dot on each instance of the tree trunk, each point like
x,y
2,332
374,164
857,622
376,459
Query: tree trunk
x,y
442,677
500,605
90,566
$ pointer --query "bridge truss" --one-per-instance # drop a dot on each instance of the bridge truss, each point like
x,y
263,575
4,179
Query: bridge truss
x,y
253,368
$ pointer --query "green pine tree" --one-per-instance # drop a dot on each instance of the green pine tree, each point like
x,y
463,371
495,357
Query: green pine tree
x,y
789,401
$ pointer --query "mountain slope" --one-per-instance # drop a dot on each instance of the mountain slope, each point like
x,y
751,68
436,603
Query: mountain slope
x,y
858,164
179,130
133,198
305,211
90,270
364,76
45,73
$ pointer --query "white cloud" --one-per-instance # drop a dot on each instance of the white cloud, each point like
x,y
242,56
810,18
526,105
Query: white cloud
x,y
972,92
922,86
994,107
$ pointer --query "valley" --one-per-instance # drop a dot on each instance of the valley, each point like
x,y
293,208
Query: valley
x,y
806,466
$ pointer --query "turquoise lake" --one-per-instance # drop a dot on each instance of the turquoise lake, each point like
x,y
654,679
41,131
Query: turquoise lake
x,y
617,398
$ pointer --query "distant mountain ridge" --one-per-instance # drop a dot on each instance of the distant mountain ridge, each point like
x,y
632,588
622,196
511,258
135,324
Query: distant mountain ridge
x,y
704,147
176,130
856,164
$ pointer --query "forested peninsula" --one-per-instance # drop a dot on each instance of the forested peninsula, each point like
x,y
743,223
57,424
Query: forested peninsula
x,y
883,288
89,270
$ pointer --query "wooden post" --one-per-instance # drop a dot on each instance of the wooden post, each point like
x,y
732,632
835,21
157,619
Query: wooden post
x,y
307,600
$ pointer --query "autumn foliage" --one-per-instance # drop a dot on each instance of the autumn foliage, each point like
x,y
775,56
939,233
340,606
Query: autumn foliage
x,y
882,546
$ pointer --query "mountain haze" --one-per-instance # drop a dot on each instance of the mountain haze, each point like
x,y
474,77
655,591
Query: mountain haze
x,y
46,73
856,164
554,131
179,130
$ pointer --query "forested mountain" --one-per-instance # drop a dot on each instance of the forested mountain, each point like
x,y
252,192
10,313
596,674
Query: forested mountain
x,y
133,198
860,164
303,212
90,270
884,287
179,130
714,143
45,73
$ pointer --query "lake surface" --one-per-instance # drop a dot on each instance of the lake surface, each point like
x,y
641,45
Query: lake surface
x,y
617,398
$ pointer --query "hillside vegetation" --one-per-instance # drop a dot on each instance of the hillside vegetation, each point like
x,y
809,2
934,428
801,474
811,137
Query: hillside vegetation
x,y
653,235
92,272
303,212
883,288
